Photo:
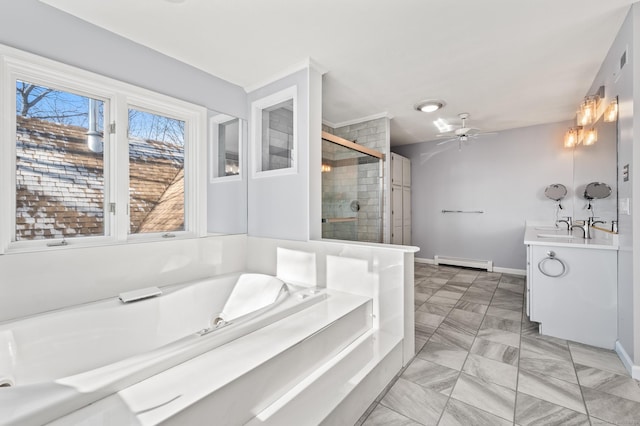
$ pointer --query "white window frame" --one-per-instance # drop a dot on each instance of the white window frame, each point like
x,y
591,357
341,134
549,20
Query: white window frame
x,y
119,96
290,93
214,124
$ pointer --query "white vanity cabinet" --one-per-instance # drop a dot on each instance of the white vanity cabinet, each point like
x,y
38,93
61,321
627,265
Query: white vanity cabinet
x,y
572,289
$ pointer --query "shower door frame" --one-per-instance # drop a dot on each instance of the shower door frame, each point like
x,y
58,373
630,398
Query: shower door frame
x,y
373,153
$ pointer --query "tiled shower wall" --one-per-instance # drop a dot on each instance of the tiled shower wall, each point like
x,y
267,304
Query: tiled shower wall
x,y
372,134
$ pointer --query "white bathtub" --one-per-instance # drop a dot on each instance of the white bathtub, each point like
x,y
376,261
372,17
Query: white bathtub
x,y
54,363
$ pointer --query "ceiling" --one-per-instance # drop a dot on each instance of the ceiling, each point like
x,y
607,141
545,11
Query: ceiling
x,y
508,63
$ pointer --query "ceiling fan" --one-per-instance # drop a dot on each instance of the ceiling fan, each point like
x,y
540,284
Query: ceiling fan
x,y
463,133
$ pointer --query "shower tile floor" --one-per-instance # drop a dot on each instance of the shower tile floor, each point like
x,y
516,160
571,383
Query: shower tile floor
x,y
480,361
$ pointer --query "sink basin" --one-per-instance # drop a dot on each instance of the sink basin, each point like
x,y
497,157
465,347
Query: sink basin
x,y
555,236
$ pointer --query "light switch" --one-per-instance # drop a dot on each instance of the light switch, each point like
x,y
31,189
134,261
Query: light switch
x,y
623,206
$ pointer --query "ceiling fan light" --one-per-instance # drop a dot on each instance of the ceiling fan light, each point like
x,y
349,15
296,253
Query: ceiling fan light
x,y
429,105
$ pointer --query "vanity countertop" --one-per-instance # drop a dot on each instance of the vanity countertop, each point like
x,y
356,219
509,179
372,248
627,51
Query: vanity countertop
x,y
550,235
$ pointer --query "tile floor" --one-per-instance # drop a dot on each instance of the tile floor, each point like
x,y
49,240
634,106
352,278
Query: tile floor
x,y
481,362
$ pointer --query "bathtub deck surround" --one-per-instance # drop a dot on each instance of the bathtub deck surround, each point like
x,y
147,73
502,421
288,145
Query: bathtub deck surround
x,y
480,361
326,361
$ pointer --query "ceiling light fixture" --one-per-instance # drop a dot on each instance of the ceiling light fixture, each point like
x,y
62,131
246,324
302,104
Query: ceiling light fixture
x,y
430,105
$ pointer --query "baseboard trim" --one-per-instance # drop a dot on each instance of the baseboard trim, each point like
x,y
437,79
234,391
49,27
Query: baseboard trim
x,y
511,271
634,370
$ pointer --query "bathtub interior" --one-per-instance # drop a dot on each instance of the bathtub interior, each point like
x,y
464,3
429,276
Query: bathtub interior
x,y
58,344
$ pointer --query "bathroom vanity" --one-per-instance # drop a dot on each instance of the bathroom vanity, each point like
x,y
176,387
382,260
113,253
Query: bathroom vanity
x,y
572,284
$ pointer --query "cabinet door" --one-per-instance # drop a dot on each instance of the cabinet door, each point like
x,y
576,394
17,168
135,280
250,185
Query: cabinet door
x,y
396,215
406,172
396,169
406,215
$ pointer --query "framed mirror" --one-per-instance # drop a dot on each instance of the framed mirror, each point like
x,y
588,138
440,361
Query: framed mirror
x,y
595,169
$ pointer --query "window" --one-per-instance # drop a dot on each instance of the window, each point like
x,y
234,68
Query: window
x,y
78,176
274,136
156,172
60,179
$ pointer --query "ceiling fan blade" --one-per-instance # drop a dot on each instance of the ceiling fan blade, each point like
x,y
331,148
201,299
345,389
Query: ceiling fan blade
x,y
447,141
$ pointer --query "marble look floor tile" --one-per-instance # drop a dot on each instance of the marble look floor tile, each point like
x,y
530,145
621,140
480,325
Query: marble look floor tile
x,y
419,342
512,279
433,308
501,324
444,354
458,413
506,304
504,313
595,357
490,397
495,351
608,382
491,371
534,411
453,336
437,300
611,408
415,402
535,347
599,422
516,288
456,287
431,375
551,390
448,294
466,321
556,368
464,278
471,307
421,297
429,286
422,317
500,336
383,416
486,275
484,285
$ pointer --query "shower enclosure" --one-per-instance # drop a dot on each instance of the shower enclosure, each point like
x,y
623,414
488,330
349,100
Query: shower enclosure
x,y
352,185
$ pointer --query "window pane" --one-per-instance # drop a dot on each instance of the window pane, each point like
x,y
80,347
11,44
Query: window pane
x,y
229,148
156,173
59,164
277,136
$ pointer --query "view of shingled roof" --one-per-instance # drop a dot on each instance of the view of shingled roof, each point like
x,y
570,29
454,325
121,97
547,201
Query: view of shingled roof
x,y
60,183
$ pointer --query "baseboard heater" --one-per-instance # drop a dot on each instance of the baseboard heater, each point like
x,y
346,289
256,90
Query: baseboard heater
x,y
469,263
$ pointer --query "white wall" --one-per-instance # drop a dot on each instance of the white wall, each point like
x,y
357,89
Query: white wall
x,y
503,175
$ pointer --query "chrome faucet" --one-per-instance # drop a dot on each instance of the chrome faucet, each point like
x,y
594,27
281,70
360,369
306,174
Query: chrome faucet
x,y
585,227
568,221
593,221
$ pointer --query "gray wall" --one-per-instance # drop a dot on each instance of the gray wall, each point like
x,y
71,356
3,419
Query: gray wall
x,y
620,83
503,175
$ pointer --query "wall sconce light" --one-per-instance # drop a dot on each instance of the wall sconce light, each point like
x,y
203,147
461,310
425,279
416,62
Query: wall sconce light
x,y
571,138
611,113
325,168
588,110
577,135
590,137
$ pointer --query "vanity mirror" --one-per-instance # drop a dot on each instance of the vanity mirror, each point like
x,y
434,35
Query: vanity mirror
x,y
595,173
556,192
